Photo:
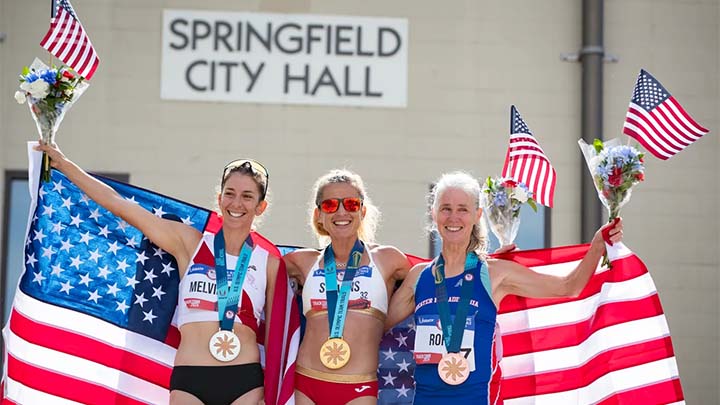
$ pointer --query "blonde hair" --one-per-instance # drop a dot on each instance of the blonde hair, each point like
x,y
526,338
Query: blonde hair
x,y
461,181
368,224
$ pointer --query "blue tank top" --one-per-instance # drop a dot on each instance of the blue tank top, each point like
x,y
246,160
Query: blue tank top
x,y
429,388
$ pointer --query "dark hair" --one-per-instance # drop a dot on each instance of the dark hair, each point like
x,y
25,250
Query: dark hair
x,y
251,168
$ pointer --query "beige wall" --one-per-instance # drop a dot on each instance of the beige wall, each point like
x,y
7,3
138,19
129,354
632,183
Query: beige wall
x,y
3,113
671,221
468,61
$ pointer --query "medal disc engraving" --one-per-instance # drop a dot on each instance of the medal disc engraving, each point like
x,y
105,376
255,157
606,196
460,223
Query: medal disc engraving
x,y
224,345
453,368
335,353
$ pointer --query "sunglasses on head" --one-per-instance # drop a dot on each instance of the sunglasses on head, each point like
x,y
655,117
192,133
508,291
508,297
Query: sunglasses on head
x,y
331,205
253,166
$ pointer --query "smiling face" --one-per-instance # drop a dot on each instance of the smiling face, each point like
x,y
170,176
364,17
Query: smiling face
x,y
239,200
455,212
340,223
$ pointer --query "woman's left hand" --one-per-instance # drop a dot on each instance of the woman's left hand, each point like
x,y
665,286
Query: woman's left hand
x,y
610,233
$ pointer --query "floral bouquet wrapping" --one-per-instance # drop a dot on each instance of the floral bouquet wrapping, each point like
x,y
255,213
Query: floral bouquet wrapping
x,y
615,169
502,199
49,92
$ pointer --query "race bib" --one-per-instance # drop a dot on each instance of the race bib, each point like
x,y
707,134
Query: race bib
x,y
430,345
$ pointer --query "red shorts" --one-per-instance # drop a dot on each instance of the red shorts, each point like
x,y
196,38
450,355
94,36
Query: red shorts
x,y
334,389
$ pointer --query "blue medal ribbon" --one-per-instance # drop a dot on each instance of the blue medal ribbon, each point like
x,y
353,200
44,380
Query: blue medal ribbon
x,y
338,302
453,330
228,300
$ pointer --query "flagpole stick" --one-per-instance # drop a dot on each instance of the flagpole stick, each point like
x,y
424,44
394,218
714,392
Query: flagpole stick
x,y
508,158
52,15
45,169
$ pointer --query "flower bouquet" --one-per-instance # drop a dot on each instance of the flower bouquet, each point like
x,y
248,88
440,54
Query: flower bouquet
x,y
502,200
615,169
49,92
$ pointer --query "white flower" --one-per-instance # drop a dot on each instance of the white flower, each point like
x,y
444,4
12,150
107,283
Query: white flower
x,y
520,194
38,89
20,97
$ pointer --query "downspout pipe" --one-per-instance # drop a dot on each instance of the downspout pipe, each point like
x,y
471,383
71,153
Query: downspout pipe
x,y
591,57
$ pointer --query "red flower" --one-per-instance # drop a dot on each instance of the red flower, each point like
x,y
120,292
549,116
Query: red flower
x,y
509,183
615,179
640,176
67,74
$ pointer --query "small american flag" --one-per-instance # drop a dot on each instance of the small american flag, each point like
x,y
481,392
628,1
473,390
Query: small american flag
x,y
66,40
526,162
658,121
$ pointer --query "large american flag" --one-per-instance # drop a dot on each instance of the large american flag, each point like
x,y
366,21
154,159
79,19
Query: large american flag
x,y
610,345
92,319
66,40
658,121
526,162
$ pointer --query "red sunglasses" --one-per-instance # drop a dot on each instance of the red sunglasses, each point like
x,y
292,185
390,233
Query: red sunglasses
x,y
331,205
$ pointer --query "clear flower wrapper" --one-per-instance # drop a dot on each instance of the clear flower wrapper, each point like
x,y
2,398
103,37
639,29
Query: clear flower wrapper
x,y
615,169
502,199
49,93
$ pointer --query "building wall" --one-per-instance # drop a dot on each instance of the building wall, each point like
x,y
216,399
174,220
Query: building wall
x,y
4,55
668,222
468,62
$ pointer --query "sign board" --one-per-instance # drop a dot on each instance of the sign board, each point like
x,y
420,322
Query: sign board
x,y
284,58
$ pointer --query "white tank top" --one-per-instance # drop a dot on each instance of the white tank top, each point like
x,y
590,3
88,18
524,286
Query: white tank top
x,y
368,292
197,298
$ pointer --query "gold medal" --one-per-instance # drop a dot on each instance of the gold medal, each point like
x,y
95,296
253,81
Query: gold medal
x,y
224,345
335,353
453,368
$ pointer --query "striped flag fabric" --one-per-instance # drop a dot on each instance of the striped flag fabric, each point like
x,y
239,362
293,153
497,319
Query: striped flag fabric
x,y
67,40
658,121
526,162
92,319
610,345
283,345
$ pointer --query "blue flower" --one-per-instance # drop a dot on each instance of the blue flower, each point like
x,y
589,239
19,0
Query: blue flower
x,y
50,76
500,199
31,77
603,171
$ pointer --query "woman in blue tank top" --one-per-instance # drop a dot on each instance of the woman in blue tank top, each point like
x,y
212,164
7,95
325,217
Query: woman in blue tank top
x,y
456,296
